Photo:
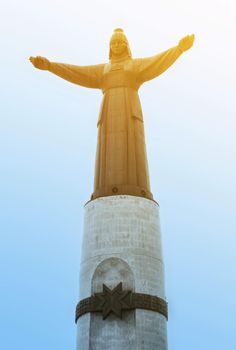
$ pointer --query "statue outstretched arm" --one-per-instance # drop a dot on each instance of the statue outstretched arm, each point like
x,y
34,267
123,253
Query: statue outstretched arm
x,y
150,67
87,76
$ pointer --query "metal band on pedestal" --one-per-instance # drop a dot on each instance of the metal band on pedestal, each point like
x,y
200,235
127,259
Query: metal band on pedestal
x,y
116,300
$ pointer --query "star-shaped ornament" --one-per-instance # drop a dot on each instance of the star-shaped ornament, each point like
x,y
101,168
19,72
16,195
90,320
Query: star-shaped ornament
x,y
113,300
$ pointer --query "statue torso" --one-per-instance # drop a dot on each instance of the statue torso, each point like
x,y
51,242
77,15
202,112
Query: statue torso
x,y
119,74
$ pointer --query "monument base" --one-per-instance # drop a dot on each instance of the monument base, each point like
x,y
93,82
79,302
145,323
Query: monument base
x,y
121,244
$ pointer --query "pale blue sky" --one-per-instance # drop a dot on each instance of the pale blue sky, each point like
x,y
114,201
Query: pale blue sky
x,y
48,140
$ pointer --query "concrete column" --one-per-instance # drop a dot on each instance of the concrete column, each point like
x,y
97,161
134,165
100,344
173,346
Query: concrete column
x,y
122,243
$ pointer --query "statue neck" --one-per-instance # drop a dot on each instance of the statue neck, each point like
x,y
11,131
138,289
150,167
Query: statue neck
x,y
118,59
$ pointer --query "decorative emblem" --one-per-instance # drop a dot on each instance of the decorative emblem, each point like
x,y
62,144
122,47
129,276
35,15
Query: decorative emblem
x,y
115,190
116,300
113,300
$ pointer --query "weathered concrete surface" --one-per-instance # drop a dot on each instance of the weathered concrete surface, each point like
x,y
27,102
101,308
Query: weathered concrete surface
x,y
122,243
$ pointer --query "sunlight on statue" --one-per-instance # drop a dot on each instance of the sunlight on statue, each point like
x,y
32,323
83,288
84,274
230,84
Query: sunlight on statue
x,y
121,162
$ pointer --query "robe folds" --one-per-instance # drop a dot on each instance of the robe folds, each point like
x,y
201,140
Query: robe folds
x,y
121,162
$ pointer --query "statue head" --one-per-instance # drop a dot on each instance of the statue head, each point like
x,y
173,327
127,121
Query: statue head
x,y
119,45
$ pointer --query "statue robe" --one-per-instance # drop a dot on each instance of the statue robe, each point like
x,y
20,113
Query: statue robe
x,y
121,162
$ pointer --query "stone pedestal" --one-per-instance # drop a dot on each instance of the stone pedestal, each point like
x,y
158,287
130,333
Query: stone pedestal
x,y
122,243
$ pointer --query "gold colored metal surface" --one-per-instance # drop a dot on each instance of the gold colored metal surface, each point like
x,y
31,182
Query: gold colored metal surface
x,y
121,161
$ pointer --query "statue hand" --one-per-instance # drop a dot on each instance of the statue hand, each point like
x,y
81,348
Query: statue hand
x,y
40,62
186,42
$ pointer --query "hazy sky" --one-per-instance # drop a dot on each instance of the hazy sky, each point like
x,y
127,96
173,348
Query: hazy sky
x,y
48,141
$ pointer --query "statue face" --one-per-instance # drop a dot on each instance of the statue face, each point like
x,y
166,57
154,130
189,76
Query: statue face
x,y
118,47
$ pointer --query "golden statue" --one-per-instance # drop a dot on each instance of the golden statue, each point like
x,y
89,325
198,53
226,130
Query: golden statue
x,y
121,161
